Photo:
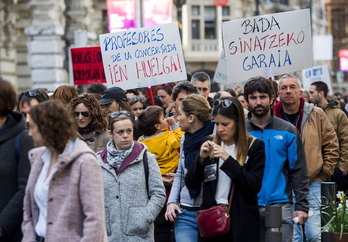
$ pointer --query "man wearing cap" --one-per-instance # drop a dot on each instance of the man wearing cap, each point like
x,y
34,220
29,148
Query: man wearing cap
x,y
114,99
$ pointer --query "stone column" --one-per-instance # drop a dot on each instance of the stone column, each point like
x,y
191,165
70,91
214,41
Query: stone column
x,y
46,49
23,20
79,14
7,41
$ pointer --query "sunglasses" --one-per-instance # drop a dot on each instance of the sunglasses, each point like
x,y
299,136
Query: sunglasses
x,y
84,114
116,114
225,102
30,93
138,98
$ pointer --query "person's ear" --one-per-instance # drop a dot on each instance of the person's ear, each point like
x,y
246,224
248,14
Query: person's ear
x,y
191,118
157,126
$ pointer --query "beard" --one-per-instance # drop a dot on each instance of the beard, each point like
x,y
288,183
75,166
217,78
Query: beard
x,y
260,111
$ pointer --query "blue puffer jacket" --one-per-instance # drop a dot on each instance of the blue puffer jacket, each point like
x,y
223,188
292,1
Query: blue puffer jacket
x,y
285,168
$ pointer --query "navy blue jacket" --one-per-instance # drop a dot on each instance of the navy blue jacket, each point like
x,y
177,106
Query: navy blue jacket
x,y
285,167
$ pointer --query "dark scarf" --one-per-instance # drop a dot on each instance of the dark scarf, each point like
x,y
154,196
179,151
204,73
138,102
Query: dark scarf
x,y
278,112
86,130
191,148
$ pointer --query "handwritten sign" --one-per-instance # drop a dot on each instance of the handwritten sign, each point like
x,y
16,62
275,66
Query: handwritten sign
x,y
87,65
143,57
316,73
220,75
267,45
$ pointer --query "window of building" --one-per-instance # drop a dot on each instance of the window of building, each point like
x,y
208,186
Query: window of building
x,y
195,29
226,11
195,11
210,22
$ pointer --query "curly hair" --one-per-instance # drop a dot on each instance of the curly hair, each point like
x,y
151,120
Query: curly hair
x,y
185,86
99,120
258,84
55,124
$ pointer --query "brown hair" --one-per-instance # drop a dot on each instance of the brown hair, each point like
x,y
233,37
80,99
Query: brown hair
x,y
55,124
65,93
235,112
120,118
8,98
167,87
99,120
147,120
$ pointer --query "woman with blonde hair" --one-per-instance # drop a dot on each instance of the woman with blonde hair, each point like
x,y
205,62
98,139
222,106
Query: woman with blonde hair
x,y
233,158
194,119
91,120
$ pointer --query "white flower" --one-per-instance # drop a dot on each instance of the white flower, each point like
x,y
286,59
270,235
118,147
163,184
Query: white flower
x,y
340,195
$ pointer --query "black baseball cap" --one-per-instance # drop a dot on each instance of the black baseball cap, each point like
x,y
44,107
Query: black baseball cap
x,y
112,94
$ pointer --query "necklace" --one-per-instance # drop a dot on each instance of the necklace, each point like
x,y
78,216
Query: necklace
x,y
292,118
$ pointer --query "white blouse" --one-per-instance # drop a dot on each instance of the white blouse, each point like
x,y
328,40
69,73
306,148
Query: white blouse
x,y
224,181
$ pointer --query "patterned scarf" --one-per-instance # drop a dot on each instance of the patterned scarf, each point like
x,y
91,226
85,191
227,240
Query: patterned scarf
x,y
116,157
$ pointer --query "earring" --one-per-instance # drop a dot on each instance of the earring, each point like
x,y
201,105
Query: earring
x,y
189,121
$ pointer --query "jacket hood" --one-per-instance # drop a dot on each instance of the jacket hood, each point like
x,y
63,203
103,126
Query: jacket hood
x,y
14,124
73,150
333,104
308,107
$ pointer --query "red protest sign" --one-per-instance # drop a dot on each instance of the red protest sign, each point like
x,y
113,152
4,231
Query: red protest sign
x,y
87,65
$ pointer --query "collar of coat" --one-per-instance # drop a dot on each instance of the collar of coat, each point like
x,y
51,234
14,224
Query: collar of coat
x,y
137,149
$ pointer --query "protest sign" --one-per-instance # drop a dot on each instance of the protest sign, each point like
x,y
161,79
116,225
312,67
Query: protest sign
x,y
87,65
143,57
316,73
267,45
220,75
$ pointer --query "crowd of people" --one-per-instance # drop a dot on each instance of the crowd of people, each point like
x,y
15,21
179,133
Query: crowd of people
x,y
108,165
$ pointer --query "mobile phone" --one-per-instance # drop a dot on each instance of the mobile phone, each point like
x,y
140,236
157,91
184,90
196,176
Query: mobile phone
x,y
172,114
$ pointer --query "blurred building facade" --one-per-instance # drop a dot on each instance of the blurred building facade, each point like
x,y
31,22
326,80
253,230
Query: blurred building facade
x,y
35,35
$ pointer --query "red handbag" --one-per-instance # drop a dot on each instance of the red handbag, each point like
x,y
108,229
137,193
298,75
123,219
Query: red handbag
x,y
215,221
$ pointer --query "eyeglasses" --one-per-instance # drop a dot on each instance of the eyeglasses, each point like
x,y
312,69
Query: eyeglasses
x,y
84,114
137,98
116,114
224,102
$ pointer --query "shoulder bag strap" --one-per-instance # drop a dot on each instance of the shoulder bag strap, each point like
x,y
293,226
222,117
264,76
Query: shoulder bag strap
x,y
146,170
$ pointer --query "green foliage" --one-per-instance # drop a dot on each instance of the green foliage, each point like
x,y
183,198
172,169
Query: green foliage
x,y
335,214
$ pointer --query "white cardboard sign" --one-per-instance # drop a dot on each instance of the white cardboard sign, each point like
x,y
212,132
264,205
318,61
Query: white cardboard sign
x,y
316,73
267,45
143,57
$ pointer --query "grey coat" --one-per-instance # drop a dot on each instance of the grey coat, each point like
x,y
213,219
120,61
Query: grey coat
x,y
129,210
